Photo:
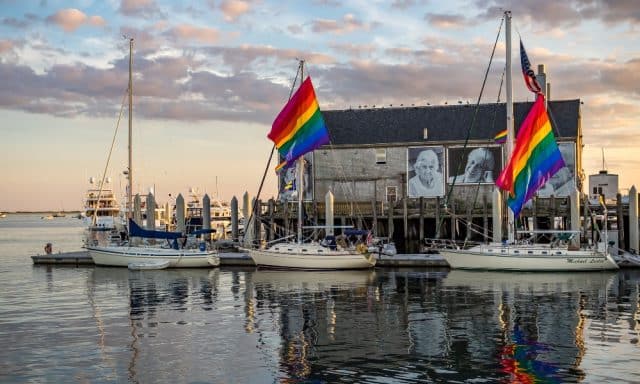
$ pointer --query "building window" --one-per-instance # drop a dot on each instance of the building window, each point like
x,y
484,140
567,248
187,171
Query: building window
x,y
381,156
425,133
392,194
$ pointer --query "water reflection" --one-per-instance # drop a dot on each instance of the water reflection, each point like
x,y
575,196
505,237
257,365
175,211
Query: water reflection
x,y
420,327
235,325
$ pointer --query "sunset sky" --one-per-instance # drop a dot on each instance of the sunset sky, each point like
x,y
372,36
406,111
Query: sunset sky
x,y
210,78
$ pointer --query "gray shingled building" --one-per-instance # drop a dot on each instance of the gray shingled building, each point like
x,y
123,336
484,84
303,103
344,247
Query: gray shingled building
x,y
373,149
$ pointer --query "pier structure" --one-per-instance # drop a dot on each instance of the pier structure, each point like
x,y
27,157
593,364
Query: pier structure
x,y
408,222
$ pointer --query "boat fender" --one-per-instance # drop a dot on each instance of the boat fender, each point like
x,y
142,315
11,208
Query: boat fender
x,y
202,246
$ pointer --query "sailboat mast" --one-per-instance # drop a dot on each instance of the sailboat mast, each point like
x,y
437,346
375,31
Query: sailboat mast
x,y
130,168
510,120
300,174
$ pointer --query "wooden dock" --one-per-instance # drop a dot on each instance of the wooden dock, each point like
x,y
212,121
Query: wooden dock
x,y
67,258
243,259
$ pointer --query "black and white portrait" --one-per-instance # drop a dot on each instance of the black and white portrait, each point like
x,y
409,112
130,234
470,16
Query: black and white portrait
x,y
288,185
474,165
425,171
564,181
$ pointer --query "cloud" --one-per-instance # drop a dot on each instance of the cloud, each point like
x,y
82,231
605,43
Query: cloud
x,y
445,21
143,8
403,4
233,9
563,13
354,50
186,32
5,46
248,57
348,24
71,19
14,23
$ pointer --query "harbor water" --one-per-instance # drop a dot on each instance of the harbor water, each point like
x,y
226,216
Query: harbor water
x,y
242,325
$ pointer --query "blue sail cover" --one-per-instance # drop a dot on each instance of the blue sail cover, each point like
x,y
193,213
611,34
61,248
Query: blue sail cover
x,y
136,231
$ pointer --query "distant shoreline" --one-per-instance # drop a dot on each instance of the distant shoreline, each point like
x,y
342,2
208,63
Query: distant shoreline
x,y
41,212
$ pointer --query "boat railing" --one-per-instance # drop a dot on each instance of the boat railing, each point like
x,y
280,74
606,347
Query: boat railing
x,y
432,245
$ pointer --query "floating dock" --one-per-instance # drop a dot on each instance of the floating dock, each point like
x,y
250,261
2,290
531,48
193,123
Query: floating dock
x,y
243,259
68,258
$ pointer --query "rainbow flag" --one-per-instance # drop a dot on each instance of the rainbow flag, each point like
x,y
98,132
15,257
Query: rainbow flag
x,y
501,137
299,127
534,160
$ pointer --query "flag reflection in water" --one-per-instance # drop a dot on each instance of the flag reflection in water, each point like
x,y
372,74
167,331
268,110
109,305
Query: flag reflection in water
x,y
520,359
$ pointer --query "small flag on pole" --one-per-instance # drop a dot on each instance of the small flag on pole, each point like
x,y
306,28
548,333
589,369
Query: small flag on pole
x,y
527,72
290,185
501,137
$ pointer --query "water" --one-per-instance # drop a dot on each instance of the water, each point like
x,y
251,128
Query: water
x,y
238,325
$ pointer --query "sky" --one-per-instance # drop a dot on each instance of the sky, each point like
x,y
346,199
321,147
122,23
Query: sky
x,y
210,77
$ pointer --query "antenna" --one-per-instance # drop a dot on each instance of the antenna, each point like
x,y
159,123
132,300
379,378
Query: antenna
x,y
603,167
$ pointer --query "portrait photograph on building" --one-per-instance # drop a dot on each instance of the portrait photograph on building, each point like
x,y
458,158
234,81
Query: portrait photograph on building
x,y
474,165
287,185
564,181
425,171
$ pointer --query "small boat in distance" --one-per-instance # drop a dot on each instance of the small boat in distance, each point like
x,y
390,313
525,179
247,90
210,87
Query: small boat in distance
x,y
2,215
101,208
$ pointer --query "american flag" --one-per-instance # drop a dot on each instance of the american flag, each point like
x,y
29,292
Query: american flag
x,y
369,238
527,72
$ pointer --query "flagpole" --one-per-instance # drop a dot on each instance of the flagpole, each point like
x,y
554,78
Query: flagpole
x,y
510,120
300,174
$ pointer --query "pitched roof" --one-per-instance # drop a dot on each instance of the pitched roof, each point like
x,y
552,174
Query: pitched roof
x,y
444,122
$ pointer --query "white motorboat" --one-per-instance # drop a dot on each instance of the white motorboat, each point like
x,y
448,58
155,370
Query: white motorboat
x,y
101,208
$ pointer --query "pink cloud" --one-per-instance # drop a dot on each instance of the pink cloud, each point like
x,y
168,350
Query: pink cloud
x,y
348,24
187,32
5,46
232,9
71,19
143,8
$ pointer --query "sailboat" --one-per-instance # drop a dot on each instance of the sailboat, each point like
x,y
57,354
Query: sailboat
x,y
299,129
533,160
178,251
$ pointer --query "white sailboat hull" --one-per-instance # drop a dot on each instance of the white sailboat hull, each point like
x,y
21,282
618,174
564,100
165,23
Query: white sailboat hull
x,y
310,256
527,258
122,256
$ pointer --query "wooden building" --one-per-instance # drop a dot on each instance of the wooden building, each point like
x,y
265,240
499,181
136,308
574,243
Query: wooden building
x,y
372,156
371,148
